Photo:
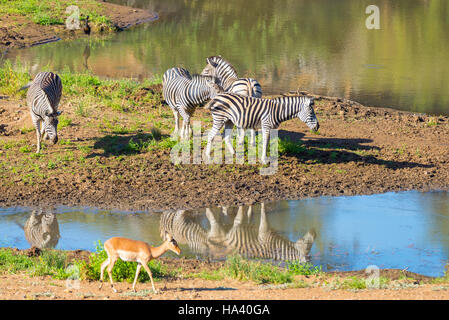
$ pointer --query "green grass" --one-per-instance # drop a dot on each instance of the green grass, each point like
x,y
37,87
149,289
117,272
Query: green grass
x,y
50,262
53,12
305,269
64,122
242,269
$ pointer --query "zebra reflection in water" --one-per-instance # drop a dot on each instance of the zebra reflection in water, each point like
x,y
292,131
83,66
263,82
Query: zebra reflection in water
x,y
241,238
42,229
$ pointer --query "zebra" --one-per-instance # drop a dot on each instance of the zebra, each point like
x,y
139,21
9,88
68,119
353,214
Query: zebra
x,y
230,109
42,229
183,92
43,96
249,87
181,225
264,243
225,71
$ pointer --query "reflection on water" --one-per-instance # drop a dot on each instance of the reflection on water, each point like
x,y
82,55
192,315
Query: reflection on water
x,y
240,237
42,229
321,46
392,230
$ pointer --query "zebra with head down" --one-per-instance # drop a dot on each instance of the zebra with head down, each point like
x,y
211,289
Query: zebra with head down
x,y
43,96
42,229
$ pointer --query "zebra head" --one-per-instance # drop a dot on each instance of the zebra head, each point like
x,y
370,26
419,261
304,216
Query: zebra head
x,y
307,114
220,68
215,87
50,126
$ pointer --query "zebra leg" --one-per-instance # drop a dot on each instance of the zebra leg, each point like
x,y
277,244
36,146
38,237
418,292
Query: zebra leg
x,y
241,136
176,115
265,136
212,133
185,123
253,137
263,226
37,125
227,136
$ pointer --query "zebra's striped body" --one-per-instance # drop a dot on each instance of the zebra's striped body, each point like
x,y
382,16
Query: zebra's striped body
x,y
184,92
241,237
42,230
43,96
252,113
264,243
181,225
248,87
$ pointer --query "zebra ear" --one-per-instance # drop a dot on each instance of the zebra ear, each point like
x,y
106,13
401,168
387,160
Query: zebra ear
x,y
212,63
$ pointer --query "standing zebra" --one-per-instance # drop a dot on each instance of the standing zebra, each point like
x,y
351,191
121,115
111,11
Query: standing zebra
x,y
225,71
251,113
43,98
183,92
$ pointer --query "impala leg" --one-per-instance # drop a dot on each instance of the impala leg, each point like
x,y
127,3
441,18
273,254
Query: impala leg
x,y
147,269
137,274
110,266
103,266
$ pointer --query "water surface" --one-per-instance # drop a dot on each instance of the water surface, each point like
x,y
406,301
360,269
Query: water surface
x,y
392,230
321,46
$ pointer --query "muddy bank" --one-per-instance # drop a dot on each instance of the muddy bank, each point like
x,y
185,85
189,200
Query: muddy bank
x,y
19,31
401,285
359,150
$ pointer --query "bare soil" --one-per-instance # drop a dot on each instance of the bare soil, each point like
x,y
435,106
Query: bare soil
x,y
23,287
359,150
18,31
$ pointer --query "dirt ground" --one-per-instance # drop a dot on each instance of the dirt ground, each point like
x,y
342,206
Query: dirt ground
x,y
359,150
23,287
17,31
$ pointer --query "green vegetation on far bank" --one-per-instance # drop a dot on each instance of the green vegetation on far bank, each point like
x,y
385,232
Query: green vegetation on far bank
x,y
53,12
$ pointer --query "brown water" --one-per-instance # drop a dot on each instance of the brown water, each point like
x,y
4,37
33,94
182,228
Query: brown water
x,y
321,46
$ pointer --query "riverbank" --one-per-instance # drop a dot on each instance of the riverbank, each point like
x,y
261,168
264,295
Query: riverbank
x,y
32,22
191,279
114,152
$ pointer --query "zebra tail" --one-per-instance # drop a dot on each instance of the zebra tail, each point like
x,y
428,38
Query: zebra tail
x,y
25,86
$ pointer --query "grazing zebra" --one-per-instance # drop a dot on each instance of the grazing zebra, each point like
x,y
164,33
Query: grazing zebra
x,y
43,98
183,92
225,71
42,230
264,243
250,113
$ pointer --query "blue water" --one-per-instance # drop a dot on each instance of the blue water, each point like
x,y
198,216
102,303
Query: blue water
x,y
392,230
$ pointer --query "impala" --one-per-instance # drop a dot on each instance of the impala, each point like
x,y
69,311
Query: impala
x,y
137,251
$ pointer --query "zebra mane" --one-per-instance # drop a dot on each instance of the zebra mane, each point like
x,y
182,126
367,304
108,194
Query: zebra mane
x,y
219,60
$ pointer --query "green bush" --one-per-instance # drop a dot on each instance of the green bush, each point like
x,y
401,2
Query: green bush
x,y
122,271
